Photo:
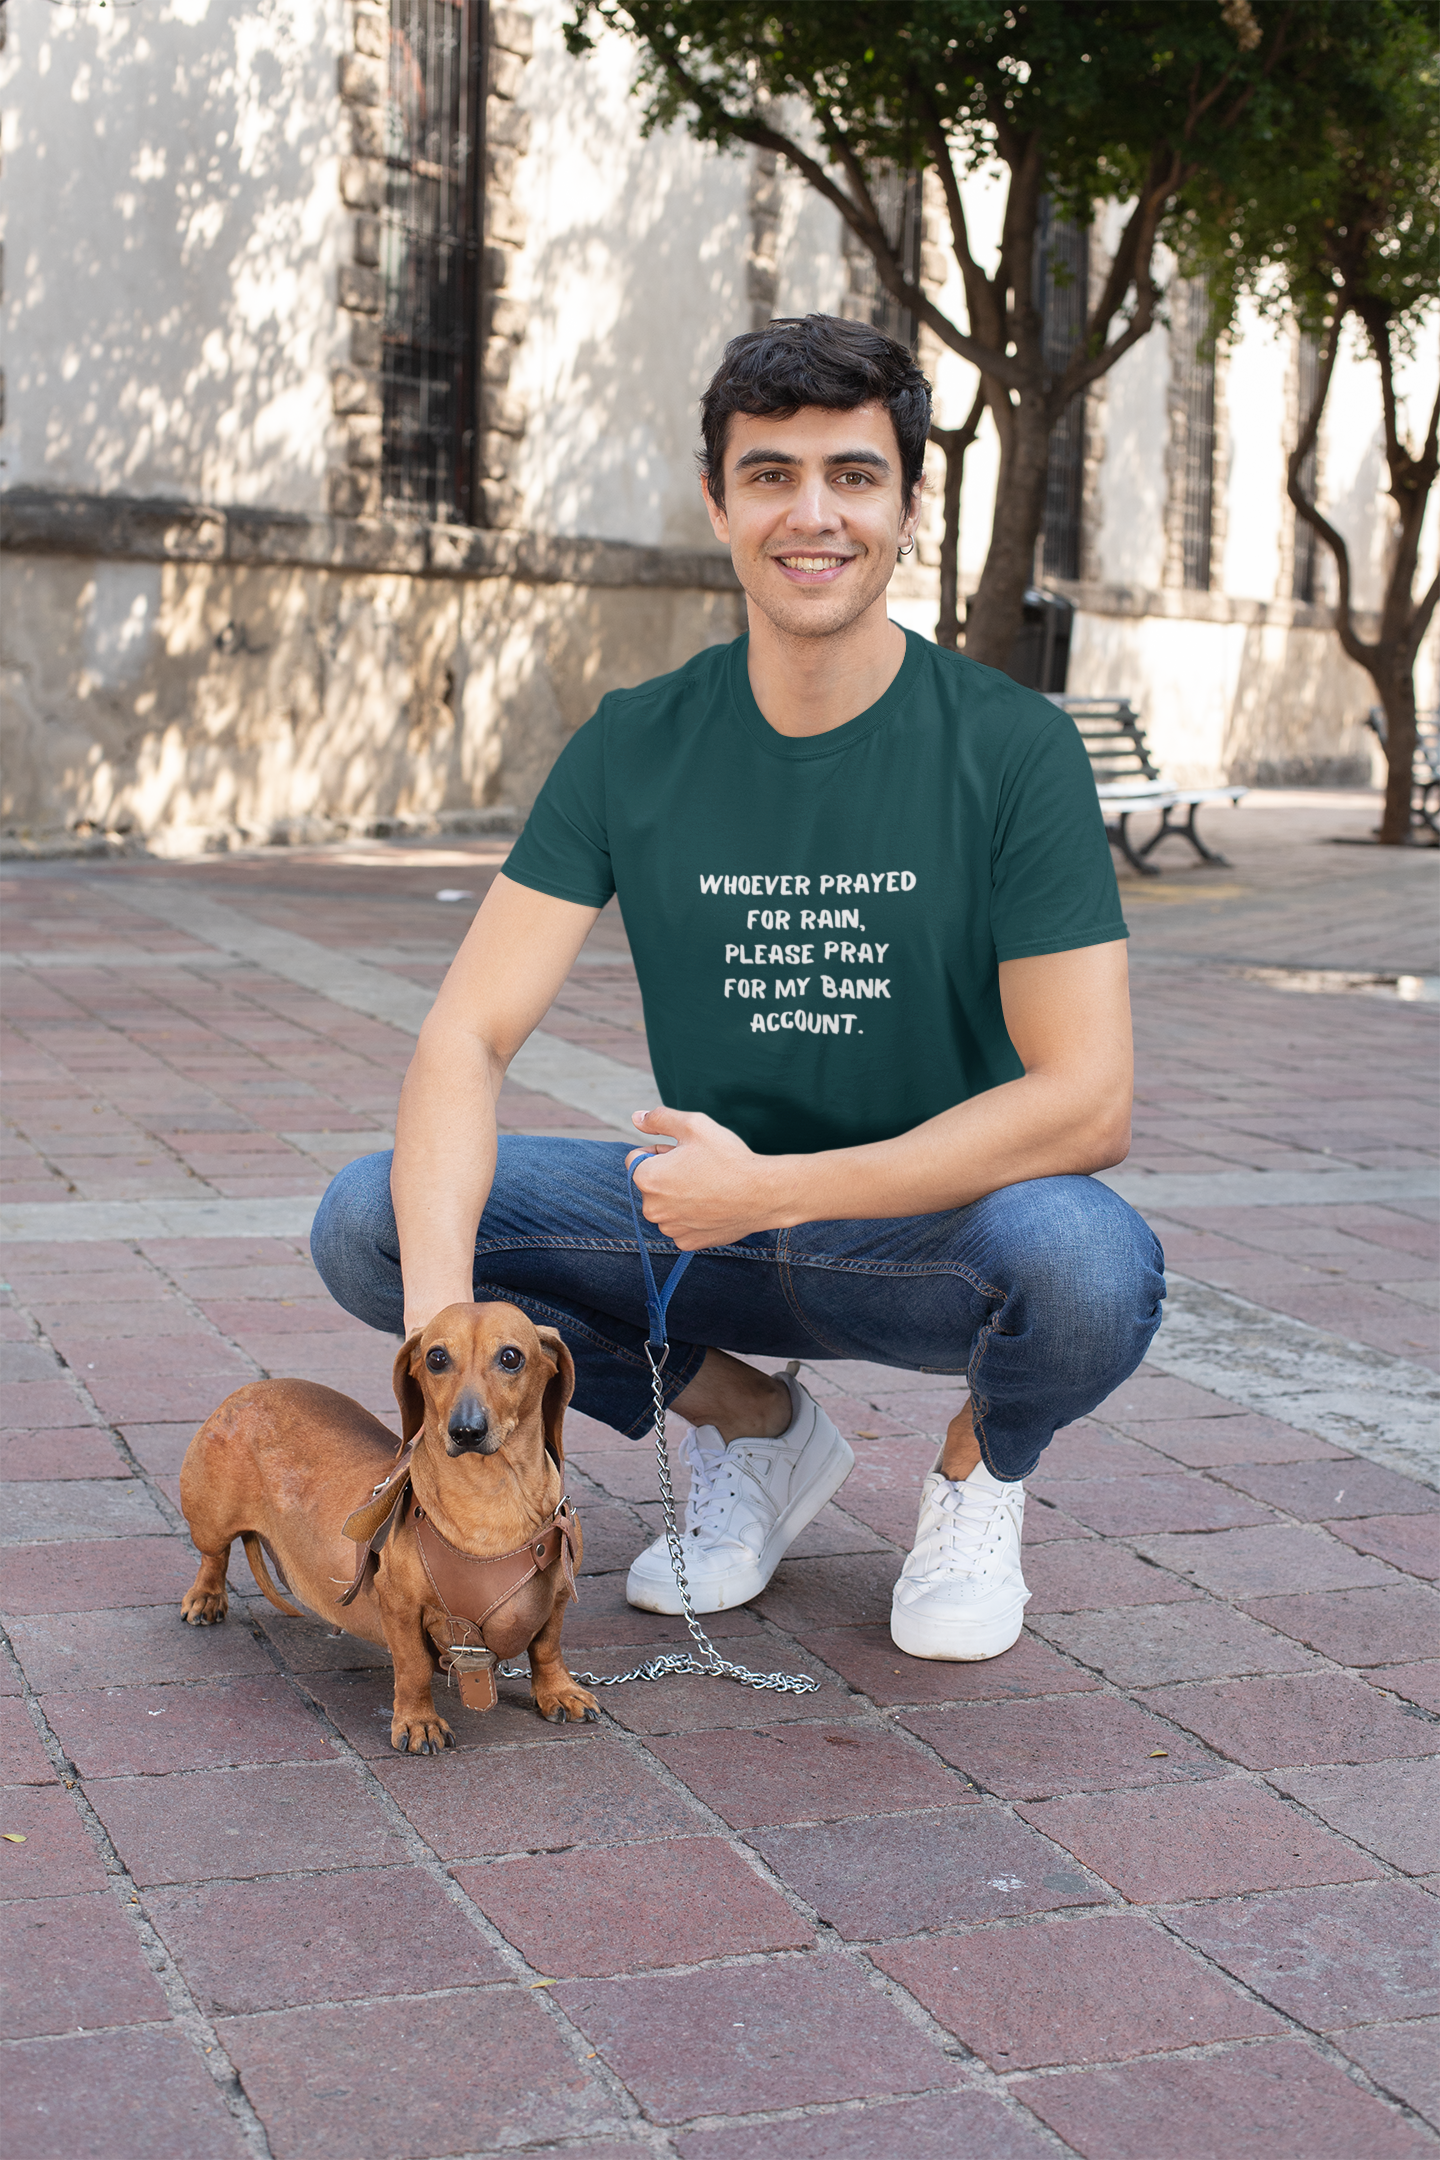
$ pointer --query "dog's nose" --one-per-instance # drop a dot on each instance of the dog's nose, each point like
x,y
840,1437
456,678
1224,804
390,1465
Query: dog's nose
x,y
469,1426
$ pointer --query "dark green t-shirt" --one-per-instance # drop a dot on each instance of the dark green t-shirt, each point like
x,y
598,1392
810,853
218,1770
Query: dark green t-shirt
x,y
817,922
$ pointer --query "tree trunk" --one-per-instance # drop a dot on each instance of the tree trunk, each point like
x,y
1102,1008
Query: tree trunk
x,y
947,629
954,442
1397,696
994,617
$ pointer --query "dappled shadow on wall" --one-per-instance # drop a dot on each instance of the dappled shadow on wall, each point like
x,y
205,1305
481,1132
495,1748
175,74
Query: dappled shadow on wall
x,y
634,291
174,214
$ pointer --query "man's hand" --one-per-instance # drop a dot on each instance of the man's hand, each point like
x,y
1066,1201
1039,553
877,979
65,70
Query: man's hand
x,y
709,1189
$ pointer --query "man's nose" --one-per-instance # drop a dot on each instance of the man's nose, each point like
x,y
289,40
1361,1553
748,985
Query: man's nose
x,y
469,1423
813,509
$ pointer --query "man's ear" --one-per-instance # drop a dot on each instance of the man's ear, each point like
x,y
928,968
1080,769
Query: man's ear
x,y
558,1391
719,523
407,1388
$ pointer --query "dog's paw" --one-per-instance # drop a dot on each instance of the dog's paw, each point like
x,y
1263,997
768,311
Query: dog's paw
x,y
421,1735
204,1608
567,1702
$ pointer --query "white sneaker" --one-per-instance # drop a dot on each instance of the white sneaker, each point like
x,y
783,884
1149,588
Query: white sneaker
x,y
748,1503
961,1594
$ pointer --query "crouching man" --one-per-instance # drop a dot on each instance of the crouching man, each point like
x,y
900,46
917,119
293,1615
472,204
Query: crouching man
x,y
872,909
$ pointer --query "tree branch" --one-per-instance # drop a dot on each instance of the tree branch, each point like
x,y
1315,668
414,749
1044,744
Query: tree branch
x,y
1430,455
1131,266
1420,620
765,137
1017,234
986,313
1137,241
954,442
1365,655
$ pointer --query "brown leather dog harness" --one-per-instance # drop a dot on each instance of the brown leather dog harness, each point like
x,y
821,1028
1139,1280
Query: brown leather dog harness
x,y
471,1589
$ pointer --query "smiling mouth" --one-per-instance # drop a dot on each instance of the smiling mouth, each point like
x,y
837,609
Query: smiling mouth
x,y
812,563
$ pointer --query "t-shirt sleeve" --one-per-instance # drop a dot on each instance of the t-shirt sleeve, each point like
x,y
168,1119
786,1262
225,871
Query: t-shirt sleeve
x,y
1053,883
565,847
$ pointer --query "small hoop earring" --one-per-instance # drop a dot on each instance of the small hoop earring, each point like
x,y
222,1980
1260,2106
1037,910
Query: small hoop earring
x,y
909,548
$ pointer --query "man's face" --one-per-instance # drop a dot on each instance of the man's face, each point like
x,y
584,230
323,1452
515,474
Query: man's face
x,y
813,514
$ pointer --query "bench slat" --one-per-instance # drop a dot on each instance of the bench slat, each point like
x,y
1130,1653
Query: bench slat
x,y
1127,778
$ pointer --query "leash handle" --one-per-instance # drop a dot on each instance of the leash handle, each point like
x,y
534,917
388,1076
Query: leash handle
x,y
656,1300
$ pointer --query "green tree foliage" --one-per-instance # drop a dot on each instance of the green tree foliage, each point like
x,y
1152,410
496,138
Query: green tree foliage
x,y
1340,223
1151,104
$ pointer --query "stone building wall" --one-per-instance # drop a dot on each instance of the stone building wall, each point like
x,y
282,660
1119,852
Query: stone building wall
x,y
201,680
214,631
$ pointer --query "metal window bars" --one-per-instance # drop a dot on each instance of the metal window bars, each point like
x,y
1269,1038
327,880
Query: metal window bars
x,y
897,197
430,233
1193,416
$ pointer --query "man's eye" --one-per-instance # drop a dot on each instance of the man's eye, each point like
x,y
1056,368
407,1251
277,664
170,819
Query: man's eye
x,y
510,1360
437,1359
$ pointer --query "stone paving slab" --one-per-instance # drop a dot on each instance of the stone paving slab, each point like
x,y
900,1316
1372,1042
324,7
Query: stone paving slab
x,y
1154,1882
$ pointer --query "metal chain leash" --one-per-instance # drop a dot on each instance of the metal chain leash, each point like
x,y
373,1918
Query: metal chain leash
x,y
709,1664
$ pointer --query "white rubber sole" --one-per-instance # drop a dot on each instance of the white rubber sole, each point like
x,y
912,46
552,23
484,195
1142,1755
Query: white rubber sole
x,y
954,1642
660,1593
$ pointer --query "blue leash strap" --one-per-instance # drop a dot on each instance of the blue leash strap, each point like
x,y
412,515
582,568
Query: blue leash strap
x,y
656,1300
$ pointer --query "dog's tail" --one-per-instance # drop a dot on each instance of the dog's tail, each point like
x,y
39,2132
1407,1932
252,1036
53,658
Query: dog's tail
x,y
255,1554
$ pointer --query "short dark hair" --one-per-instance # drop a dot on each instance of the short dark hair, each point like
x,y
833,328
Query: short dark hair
x,y
799,360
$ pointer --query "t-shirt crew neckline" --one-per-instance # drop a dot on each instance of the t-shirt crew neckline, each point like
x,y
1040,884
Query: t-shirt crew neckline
x,y
801,748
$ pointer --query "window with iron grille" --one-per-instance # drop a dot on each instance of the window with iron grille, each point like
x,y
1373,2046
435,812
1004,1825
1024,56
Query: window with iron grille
x,y
1302,582
1062,299
897,199
430,256
1192,414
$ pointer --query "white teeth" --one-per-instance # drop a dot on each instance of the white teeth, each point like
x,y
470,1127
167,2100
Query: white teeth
x,y
812,562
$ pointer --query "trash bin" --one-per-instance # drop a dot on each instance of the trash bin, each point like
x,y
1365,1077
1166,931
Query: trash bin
x,y
1040,656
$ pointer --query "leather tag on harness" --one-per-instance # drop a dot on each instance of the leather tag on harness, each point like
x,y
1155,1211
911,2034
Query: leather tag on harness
x,y
475,1671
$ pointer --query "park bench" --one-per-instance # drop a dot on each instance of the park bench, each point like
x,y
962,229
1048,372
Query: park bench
x,y
1424,773
1127,780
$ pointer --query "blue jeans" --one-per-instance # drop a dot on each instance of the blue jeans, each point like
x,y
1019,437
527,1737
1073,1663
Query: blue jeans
x,y
1043,1296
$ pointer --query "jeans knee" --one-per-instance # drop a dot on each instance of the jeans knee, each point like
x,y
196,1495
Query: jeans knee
x,y
1084,1259
354,1246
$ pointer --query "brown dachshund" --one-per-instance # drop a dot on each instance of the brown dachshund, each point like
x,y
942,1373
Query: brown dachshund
x,y
464,1541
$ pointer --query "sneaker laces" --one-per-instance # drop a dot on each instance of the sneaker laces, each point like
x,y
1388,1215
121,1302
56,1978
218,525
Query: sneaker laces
x,y
966,1517
704,1465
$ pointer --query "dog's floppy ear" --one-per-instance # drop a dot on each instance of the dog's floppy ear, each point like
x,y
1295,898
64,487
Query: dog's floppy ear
x,y
407,1390
558,1391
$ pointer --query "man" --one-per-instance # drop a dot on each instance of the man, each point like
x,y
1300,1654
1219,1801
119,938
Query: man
x,y
877,932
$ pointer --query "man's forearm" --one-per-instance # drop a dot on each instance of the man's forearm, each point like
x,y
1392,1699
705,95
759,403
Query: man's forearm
x,y
516,954
445,1141
1036,1126
1068,1017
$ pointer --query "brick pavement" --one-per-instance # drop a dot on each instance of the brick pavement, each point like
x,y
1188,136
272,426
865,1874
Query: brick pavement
x,y
1158,1882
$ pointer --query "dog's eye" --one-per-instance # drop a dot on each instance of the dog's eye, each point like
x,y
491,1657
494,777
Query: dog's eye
x,y
437,1359
510,1359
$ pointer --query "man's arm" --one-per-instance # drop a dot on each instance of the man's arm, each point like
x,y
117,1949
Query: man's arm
x,y
1068,1015
502,982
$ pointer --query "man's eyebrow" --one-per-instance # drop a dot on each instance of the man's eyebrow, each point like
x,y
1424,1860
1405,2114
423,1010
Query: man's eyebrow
x,y
872,458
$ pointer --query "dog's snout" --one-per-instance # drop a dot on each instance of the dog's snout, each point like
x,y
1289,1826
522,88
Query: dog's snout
x,y
469,1427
